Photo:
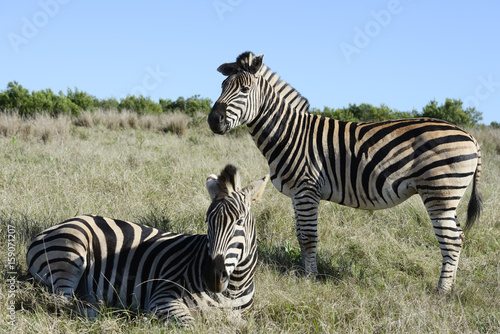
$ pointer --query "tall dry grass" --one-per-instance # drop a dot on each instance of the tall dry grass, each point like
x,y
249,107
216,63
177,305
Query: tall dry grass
x,y
42,127
378,269
46,128
176,122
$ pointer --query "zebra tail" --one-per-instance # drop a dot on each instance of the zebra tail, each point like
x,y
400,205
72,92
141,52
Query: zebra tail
x,y
476,200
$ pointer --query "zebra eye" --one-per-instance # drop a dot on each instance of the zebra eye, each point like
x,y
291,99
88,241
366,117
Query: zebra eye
x,y
245,89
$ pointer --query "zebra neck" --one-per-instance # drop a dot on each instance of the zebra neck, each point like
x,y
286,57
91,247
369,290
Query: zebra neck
x,y
241,290
276,120
283,89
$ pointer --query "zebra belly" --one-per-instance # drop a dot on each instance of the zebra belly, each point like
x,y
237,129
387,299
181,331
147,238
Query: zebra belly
x,y
360,200
378,197
388,199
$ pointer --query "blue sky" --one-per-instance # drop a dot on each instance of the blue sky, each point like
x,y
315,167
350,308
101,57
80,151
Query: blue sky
x,y
401,53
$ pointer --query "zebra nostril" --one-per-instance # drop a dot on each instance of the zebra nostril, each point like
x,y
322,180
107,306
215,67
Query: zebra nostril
x,y
224,275
218,113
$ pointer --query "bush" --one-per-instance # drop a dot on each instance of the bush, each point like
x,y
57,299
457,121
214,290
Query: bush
x,y
63,105
364,113
41,101
106,104
343,114
81,99
19,99
189,106
453,112
141,105
15,97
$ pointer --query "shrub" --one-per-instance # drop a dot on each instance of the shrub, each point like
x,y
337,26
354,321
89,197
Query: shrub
x,y
81,99
106,104
19,99
453,112
15,97
343,114
189,106
141,105
63,105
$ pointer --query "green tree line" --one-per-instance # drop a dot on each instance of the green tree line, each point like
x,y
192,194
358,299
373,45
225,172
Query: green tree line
x,y
452,111
17,98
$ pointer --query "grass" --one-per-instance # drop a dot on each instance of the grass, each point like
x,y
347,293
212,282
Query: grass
x,y
378,269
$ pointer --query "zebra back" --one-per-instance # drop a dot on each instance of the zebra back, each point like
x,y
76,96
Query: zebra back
x,y
111,260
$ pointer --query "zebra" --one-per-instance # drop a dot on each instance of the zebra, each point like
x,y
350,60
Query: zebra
x,y
130,266
365,165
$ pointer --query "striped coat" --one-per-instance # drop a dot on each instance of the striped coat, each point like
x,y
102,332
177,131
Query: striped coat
x,y
131,266
373,165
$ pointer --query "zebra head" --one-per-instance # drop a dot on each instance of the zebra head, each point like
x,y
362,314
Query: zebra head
x,y
240,92
231,227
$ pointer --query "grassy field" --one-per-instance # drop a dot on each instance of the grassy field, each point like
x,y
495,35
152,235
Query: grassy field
x,y
378,269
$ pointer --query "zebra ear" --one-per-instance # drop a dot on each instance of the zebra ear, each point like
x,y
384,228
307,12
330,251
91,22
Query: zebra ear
x,y
256,64
228,68
256,188
212,186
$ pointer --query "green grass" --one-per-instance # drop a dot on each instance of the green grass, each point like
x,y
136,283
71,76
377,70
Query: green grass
x,y
378,269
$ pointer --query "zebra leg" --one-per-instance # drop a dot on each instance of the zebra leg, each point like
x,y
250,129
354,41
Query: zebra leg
x,y
62,276
175,310
450,238
306,219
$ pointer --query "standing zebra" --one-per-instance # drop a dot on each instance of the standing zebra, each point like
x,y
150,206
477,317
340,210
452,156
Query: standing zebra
x,y
373,165
132,266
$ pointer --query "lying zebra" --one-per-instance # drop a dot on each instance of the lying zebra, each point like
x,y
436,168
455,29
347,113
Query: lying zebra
x,y
132,266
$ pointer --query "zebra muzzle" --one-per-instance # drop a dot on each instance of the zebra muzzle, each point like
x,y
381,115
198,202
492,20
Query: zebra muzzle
x,y
217,118
215,275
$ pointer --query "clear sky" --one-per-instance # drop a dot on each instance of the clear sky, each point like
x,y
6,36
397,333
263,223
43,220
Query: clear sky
x,y
401,53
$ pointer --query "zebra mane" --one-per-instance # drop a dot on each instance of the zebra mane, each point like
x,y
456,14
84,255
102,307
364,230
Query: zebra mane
x,y
282,88
228,181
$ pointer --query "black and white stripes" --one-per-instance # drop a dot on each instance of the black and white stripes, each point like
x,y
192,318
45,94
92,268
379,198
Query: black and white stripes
x,y
361,165
132,266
